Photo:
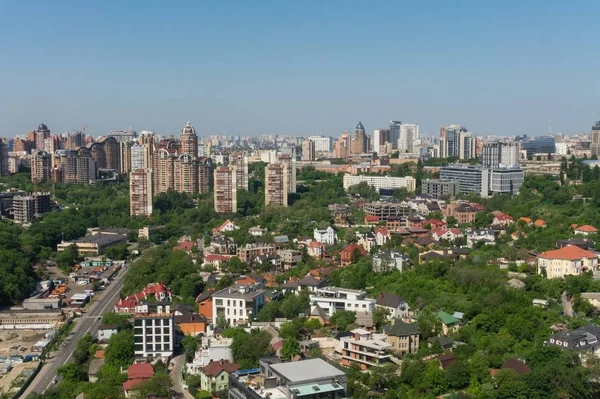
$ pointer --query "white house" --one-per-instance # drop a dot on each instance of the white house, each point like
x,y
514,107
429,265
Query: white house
x,y
386,261
227,225
485,235
445,234
332,299
325,236
395,304
238,303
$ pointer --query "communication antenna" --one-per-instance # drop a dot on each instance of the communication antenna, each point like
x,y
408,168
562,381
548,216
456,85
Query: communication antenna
x,y
550,123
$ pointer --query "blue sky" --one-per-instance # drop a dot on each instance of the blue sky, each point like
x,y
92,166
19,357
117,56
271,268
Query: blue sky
x,y
306,67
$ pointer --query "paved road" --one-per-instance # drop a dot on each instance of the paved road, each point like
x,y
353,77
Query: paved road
x,y
86,324
180,392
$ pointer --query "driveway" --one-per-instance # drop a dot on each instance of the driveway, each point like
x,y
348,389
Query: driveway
x,y
176,370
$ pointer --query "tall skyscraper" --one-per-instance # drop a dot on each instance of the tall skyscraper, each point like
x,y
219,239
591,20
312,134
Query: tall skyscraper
x,y
276,185
4,158
40,167
394,135
456,141
322,144
289,162
75,140
41,134
140,192
225,189
189,140
125,157
139,152
205,175
595,145
308,150
359,140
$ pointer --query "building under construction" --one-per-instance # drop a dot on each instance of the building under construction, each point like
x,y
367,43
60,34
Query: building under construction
x,y
29,206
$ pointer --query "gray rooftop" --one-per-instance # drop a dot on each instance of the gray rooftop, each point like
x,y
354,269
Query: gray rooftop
x,y
239,292
102,239
306,370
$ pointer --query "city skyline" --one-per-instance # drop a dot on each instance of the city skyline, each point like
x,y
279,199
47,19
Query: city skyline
x,y
281,69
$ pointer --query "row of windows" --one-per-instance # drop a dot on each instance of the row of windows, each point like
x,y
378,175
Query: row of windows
x,y
153,347
152,322
150,330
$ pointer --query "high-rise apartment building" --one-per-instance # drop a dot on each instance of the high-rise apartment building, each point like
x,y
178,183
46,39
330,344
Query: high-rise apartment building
x,y
322,144
140,192
225,189
380,138
40,167
395,127
495,155
4,158
240,161
205,175
289,162
75,140
163,168
595,145
342,146
409,132
138,154
456,141
359,140
276,185
22,146
186,174
29,206
125,157
308,150
123,136
189,140
41,134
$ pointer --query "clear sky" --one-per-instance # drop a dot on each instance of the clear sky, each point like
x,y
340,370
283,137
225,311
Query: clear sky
x,y
299,67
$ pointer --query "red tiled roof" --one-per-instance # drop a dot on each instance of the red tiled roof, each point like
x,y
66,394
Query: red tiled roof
x,y
216,367
503,216
221,227
126,304
570,252
526,220
140,370
184,246
130,384
586,228
350,248
539,223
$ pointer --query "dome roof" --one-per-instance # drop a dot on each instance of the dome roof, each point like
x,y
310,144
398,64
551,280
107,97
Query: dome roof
x,y
360,126
188,129
42,127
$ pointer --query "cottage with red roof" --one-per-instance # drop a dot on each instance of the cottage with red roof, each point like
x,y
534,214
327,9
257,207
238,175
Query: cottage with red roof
x,y
156,290
346,254
540,223
446,234
137,374
186,246
315,249
382,235
215,260
586,230
227,225
501,219
566,261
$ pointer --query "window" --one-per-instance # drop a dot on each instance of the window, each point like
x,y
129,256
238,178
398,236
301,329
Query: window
x,y
166,330
166,322
157,330
228,302
149,338
241,304
219,302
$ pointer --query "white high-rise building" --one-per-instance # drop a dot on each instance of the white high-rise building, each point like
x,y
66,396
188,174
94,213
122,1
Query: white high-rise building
x,y
409,132
322,144
137,157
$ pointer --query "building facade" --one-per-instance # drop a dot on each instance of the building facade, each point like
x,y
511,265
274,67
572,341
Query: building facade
x,y
381,182
276,185
140,192
225,178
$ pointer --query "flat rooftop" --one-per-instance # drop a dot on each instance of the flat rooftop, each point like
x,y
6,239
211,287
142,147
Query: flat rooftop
x,y
306,370
101,239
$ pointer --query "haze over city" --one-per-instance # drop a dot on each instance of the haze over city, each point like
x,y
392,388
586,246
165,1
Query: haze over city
x,y
250,68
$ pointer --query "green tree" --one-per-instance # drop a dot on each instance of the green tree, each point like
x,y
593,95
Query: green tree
x,y
380,316
120,349
190,345
290,348
342,319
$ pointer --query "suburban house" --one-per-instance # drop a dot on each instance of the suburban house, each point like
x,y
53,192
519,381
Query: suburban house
x,y
105,332
215,260
136,375
365,349
205,304
475,236
222,245
315,249
190,323
583,340
446,234
331,299
346,254
227,225
404,337
214,377
290,257
256,231
386,261
566,261
450,323
585,230
395,304
501,219
325,236
539,223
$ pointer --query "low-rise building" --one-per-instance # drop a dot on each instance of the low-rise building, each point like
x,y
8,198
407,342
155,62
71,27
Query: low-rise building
x,y
403,337
450,323
154,330
214,377
347,253
290,258
105,332
436,188
386,261
566,261
294,380
585,230
365,348
239,303
394,304
584,340
332,299
250,252
325,236
94,244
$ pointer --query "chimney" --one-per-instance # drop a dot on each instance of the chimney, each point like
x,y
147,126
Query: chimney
x,y
380,296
